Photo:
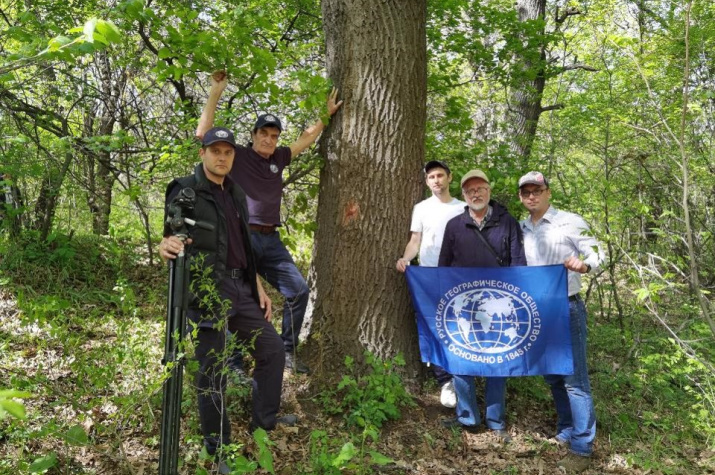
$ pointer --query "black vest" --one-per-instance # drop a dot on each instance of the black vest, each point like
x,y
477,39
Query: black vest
x,y
210,248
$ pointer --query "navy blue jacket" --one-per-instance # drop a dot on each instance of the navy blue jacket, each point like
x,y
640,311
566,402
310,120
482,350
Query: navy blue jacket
x,y
461,247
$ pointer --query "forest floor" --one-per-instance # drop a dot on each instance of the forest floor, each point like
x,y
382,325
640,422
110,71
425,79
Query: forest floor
x,y
89,361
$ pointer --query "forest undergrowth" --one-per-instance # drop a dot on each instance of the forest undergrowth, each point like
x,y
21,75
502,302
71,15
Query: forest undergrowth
x,y
81,339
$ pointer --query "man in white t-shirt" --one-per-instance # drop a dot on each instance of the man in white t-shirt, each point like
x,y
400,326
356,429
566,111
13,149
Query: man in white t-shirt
x,y
429,218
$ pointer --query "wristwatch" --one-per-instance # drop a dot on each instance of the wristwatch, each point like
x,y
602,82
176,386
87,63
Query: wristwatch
x,y
588,268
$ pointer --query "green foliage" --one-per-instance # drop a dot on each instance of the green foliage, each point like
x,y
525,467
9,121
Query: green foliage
x,y
369,398
43,464
239,463
329,457
9,406
656,405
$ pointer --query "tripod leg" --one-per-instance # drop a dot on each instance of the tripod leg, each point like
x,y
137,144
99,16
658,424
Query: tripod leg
x,y
174,335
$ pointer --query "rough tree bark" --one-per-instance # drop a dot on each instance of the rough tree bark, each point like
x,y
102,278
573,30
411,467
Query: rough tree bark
x,y
373,150
527,87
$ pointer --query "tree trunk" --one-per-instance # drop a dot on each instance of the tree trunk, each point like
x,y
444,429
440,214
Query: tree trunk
x,y
374,151
527,85
46,204
101,177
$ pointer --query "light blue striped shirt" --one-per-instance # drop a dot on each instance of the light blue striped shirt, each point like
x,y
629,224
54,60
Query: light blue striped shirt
x,y
555,237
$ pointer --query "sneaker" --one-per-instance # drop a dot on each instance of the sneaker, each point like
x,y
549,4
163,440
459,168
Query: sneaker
x,y
503,435
573,463
448,396
455,424
295,365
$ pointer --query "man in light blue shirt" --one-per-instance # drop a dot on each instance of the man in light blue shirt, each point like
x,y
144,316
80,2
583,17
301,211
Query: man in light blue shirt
x,y
552,236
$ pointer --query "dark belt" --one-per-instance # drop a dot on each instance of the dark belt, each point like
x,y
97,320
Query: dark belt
x,y
575,298
238,274
263,229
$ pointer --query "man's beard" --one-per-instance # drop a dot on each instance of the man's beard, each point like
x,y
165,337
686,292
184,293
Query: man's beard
x,y
477,206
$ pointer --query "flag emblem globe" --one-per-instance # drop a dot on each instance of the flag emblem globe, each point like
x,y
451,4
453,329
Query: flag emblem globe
x,y
487,320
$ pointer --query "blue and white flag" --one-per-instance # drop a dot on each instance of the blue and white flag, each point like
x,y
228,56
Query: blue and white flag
x,y
496,321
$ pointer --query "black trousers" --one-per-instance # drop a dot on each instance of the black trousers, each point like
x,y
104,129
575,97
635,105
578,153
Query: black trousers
x,y
246,321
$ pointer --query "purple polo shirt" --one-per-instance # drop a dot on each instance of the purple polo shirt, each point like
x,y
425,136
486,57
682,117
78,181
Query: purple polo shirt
x,y
262,180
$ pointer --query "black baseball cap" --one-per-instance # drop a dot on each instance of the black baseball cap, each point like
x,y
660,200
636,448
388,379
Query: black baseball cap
x,y
436,164
268,120
218,134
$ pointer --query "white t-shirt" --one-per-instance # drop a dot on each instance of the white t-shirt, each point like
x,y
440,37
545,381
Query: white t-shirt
x,y
430,217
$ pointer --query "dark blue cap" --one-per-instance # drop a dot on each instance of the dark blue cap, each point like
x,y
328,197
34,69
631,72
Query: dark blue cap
x,y
218,134
437,164
268,120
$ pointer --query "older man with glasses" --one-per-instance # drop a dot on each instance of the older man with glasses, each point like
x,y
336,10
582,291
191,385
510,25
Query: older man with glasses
x,y
552,236
484,235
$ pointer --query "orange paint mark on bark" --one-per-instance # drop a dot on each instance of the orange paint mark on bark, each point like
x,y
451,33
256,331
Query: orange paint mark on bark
x,y
351,213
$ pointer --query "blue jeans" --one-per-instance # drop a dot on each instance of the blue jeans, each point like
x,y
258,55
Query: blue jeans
x,y
495,397
572,394
276,265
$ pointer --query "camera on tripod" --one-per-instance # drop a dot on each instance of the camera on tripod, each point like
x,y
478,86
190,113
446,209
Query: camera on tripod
x,y
176,218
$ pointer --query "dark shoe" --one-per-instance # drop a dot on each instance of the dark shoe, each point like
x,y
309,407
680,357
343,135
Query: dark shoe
x,y
222,467
573,463
287,420
294,364
455,424
502,435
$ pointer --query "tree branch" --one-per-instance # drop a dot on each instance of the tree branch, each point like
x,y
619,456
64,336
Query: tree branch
x,y
585,67
552,107
571,11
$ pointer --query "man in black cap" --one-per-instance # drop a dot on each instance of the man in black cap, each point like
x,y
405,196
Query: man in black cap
x,y
429,217
227,256
259,172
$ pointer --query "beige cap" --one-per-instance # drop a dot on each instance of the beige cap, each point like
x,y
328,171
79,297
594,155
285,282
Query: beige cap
x,y
474,174
533,178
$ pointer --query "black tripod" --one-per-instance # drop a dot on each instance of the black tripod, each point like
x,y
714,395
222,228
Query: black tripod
x,y
175,332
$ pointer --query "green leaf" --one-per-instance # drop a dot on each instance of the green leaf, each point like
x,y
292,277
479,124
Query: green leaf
x,y
347,452
43,464
76,436
265,457
14,408
265,460
88,30
380,459
164,53
109,31
10,393
242,465
58,42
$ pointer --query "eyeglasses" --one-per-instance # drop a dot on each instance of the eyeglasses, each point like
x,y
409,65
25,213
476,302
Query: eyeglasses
x,y
478,190
534,193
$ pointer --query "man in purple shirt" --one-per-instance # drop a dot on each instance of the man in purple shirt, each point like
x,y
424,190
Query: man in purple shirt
x,y
259,171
